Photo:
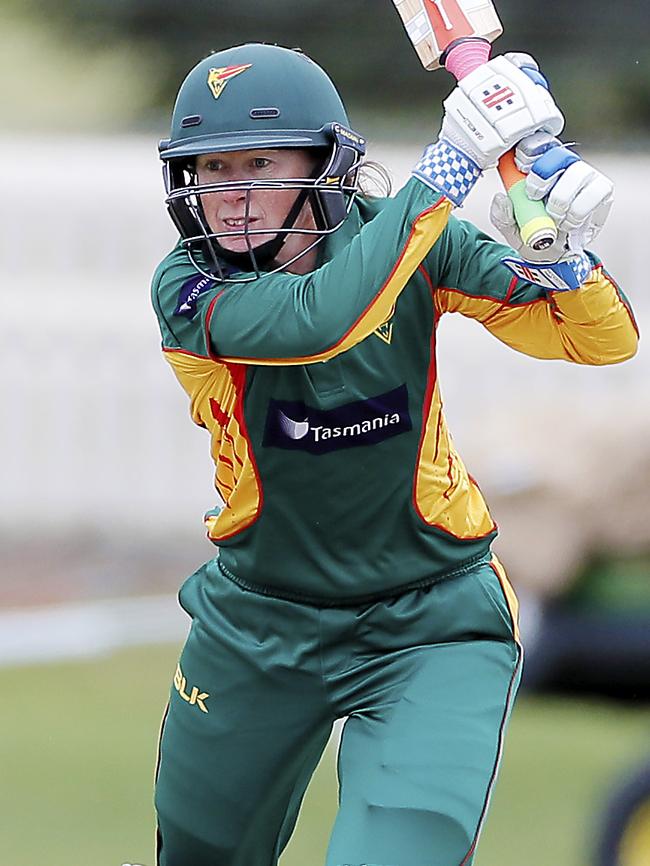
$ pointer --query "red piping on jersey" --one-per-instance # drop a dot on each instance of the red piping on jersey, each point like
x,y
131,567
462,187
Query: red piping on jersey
x,y
223,486
230,439
428,397
219,415
425,274
222,418
506,300
438,431
501,301
511,288
239,374
360,318
450,464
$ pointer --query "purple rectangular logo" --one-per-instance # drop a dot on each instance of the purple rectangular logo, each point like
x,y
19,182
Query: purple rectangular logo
x,y
298,427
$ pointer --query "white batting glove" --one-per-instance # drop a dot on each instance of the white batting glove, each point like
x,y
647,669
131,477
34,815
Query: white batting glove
x,y
497,105
557,268
577,196
489,111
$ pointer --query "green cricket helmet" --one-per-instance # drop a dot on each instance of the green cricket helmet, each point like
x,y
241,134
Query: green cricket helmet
x,y
254,97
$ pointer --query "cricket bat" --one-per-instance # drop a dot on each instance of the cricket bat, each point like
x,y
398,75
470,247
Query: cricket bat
x,y
457,35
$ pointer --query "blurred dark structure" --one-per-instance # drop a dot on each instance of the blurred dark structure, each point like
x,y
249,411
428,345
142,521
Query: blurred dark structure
x,y
594,638
595,52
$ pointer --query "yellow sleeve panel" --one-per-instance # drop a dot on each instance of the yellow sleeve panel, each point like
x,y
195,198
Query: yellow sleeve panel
x,y
445,495
426,230
590,325
216,392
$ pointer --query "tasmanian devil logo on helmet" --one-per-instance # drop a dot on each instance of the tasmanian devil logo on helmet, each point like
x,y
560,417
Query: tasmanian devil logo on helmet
x,y
218,77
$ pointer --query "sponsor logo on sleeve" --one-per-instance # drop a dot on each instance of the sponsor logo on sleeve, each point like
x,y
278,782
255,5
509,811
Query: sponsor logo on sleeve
x,y
189,294
298,427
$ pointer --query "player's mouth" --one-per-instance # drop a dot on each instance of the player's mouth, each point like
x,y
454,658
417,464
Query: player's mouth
x,y
240,243
234,223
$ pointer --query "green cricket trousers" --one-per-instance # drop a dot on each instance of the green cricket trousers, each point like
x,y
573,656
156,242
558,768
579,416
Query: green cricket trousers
x,y
425,679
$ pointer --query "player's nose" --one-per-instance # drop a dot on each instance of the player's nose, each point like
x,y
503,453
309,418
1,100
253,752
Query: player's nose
x,y
232,196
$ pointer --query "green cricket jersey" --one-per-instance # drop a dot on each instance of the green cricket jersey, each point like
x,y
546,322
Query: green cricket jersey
x,y
338,476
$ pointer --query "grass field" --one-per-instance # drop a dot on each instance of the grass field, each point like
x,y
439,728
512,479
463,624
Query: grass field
x,y
78,748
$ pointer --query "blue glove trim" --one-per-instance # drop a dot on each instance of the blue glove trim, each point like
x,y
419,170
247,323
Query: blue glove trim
x,y
552,161
447,170
563,276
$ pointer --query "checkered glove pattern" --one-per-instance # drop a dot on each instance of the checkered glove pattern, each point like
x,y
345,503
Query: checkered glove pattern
x,y
447,170
581,266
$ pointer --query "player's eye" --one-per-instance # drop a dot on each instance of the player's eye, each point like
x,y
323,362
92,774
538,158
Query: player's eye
x,y
261,162
213,165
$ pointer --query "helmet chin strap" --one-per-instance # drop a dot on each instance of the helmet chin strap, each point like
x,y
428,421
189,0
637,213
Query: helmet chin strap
x,y
265,253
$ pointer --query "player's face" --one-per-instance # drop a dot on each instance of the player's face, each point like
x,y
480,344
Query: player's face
x,y
268,208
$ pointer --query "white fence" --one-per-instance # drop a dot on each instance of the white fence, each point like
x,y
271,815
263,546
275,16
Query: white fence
x,y
95,430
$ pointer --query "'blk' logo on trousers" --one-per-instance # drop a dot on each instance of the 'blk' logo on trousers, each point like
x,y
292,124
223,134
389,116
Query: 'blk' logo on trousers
x,y
196,696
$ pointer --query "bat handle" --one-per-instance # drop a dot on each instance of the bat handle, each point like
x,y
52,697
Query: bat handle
x,y
537,228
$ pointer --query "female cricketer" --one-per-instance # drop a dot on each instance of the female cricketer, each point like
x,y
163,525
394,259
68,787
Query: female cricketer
x,y
354,577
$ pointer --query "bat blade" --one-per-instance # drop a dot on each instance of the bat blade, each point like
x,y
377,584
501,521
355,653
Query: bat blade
x,y
433,24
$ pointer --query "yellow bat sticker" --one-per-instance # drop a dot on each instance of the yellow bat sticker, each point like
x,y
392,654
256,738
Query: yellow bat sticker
x,y
219,77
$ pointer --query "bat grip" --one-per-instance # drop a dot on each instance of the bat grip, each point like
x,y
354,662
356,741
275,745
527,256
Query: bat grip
x,y
537,228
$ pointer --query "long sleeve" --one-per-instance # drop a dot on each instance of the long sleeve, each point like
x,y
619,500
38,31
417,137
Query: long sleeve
x,y
591,325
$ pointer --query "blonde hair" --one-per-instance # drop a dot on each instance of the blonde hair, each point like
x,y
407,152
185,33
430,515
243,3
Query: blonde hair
x,y
374,180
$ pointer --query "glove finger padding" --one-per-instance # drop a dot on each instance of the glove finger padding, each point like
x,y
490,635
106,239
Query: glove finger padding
x,y
502,217
529,149
577,196
598,220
